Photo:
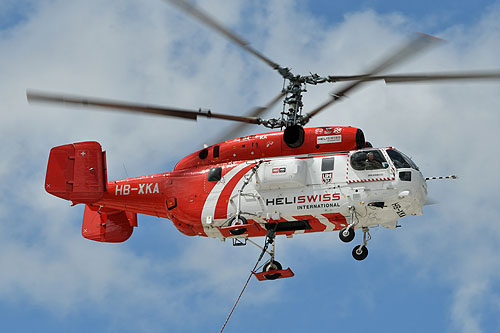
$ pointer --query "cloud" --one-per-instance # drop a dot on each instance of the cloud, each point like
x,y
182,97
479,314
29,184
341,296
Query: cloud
x,y
149,52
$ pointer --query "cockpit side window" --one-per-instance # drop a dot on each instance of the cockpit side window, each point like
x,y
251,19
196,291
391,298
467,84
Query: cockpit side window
x,y
368,160
400,160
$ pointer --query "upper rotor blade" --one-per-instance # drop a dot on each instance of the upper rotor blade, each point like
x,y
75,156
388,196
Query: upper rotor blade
x,y
208,20
421,42
410,49
43,97
403,78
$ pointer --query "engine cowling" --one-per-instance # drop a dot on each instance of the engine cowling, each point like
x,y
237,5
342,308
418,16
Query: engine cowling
x,y
294,136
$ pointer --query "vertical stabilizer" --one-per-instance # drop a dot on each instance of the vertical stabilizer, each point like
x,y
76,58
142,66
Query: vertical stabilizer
x,y
77,172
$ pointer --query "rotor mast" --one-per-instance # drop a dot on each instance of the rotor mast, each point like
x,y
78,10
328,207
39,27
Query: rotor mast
x,y
295,85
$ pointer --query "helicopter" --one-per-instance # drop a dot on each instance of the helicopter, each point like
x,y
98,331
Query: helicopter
x,y
293,181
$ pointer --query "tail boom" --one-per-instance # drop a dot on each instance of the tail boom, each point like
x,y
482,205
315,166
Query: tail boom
x,y
77,172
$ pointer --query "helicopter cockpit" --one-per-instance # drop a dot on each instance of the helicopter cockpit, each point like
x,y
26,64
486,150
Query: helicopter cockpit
x,y
374,159
390,174
400,160
381,164
368,160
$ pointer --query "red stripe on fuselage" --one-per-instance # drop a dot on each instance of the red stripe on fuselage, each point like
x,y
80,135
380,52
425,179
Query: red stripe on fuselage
x,y
315,224
336,218
223,201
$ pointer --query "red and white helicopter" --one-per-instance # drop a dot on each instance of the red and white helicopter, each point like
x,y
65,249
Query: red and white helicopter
x,y
293,181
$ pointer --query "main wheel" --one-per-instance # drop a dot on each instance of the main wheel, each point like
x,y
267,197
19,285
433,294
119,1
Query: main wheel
x,y
360,252
240,221
272,266
347,234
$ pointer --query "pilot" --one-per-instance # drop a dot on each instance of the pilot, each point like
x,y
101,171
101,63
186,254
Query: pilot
x,y
371,163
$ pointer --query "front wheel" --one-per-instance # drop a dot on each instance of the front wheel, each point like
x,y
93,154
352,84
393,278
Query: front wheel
x,y
360,252
347,234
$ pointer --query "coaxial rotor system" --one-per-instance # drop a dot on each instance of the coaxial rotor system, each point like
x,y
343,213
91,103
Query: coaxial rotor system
x,y
293,117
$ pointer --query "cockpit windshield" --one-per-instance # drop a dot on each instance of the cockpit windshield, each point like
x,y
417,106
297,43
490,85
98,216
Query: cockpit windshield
x,y
368,160
400,160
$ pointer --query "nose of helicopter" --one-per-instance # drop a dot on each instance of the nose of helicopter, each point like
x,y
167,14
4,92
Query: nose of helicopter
x,y
412,190
421,185
418,192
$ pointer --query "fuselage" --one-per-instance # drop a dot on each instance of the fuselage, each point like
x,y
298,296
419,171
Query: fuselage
x,y
327,183
303,193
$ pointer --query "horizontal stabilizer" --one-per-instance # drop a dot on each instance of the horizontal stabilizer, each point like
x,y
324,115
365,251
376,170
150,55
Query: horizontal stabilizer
x,y
107,225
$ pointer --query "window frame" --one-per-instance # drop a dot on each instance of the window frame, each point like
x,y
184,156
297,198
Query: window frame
x,y
361,164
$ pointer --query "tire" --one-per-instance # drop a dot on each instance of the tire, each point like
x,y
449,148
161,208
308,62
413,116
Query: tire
x,y
272,266
360,252
347,235
241,220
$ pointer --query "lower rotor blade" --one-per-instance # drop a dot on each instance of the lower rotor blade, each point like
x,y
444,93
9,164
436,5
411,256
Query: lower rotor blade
x,y
42,97
61,99
255,112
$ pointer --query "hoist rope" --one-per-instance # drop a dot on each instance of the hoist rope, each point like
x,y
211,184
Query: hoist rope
x,y
245,286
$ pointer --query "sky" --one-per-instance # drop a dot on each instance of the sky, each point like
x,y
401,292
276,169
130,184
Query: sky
x,y
438,272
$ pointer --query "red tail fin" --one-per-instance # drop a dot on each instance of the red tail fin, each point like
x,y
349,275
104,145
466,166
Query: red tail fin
x,y
77,172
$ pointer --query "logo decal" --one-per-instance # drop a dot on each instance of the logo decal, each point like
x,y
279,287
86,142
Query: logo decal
x,y
326,177
279,170
329,139
144,188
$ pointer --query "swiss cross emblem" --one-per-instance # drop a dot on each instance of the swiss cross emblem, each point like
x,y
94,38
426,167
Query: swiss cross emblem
x,y
326,177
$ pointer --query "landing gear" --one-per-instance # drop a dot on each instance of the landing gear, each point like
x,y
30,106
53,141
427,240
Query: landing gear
x,y
360,252
238,220
272,269
271,266
347,234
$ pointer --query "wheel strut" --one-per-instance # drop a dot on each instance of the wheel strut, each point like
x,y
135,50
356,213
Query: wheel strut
x,y
360,252
347,234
